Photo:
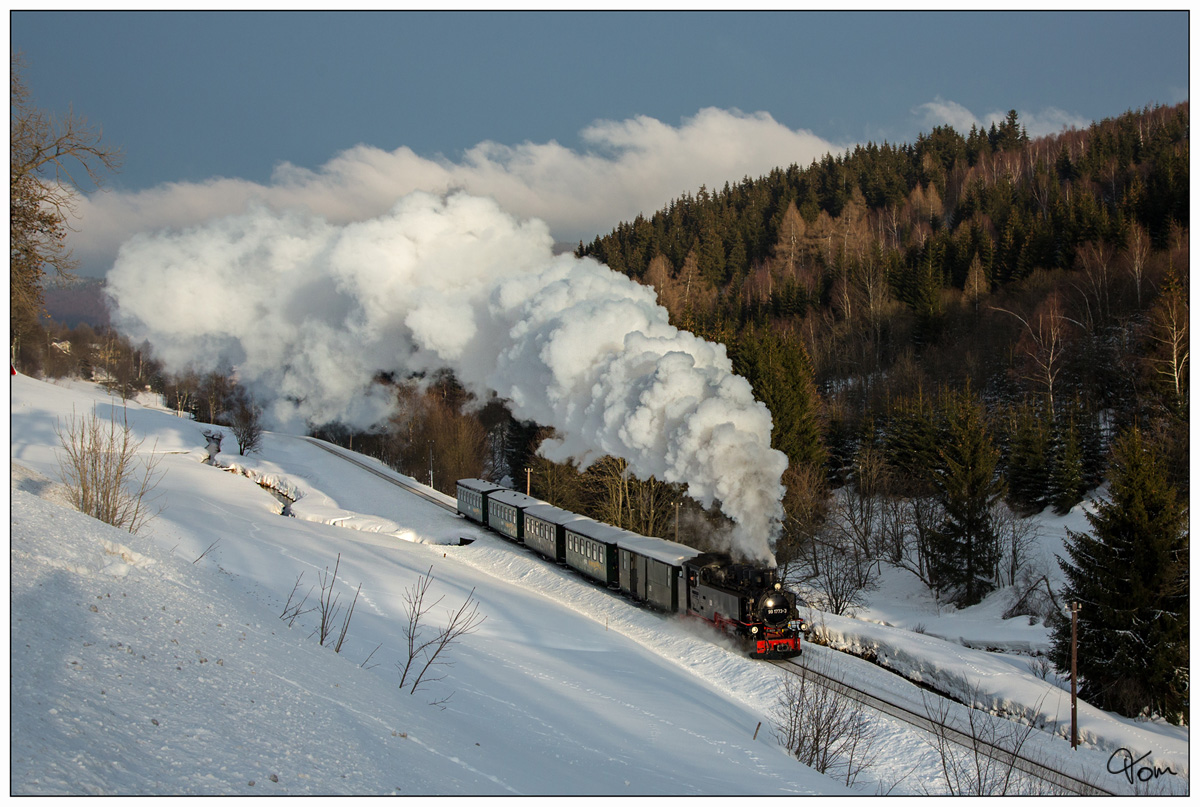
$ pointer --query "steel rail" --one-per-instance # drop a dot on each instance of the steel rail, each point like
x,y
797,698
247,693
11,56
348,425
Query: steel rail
x,y
1051,776
411,488
1055,778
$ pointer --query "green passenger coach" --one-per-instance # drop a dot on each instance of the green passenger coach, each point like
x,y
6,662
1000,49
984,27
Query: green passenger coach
x,y
650,570
506,512
546,530
472,496
591,550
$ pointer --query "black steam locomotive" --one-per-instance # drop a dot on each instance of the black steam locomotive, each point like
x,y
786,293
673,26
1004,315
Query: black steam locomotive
x,y
744,600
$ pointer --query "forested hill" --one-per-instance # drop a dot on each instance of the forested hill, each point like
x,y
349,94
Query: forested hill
x,y
1042,280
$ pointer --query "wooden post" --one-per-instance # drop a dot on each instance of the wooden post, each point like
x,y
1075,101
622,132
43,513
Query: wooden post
x,y
528,481
756,728
1074,656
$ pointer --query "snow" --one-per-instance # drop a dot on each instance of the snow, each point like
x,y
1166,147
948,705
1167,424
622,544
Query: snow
x,y
158,663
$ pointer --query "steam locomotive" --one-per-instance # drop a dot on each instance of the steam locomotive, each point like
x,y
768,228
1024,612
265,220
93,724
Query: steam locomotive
x,y
744,600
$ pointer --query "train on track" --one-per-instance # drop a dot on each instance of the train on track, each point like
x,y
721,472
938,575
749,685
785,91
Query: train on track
x,y
744,600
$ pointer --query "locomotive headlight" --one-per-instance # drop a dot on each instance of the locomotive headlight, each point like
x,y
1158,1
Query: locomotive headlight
x,y
770,603
754,629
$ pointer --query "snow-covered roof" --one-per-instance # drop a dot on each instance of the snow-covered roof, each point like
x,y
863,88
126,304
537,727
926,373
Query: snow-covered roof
x,y
599,531
658,548
665,551
514,498
478,485
554,515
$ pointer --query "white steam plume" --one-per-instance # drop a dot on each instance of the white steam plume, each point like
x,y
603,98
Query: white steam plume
x,y
308,312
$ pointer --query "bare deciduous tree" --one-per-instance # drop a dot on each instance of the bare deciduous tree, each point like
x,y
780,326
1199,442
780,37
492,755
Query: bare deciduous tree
x,y
46,157
909,524
1097,258
429,433
1137,253
1017,538
294,609
246,425
1044,343
822,726
837,576
621,499
805,505
1169,331
328,609
424,653
981,758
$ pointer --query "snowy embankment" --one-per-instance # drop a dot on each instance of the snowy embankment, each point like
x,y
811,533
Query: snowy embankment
x,y
158,663
1005,684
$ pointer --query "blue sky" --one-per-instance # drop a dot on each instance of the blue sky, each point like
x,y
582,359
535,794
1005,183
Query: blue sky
x,y
193,96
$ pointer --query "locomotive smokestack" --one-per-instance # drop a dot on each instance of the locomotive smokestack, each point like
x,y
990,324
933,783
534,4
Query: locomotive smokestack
x,y
308,313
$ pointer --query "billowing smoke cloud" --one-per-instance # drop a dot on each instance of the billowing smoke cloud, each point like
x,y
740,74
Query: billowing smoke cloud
x,y
307,312
624,168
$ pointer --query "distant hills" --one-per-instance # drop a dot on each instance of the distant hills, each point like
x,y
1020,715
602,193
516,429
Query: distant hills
x,y
77,302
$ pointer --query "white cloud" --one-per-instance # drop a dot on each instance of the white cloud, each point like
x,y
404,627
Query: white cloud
x,y
939,112
625,168
1047,121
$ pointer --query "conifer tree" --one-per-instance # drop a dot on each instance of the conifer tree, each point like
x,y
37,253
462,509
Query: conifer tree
x,y
910,445
1026,468
782,377
1067,481
967,546
1130,575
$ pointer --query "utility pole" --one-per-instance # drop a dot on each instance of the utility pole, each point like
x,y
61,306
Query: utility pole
x,y
1074,710
677,521
528,482
431,464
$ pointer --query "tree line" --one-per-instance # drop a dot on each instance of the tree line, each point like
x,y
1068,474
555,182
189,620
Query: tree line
x,y
974,328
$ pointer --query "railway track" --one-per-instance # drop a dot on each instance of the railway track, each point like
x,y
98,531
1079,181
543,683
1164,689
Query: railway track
x,y
969,739
394,478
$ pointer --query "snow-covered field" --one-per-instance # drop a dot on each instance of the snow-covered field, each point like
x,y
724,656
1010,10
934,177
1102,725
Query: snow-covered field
x,y
158,663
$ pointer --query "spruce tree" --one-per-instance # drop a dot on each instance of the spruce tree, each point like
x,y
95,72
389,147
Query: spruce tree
x,y
910,445
967,547
1026,468
1130,575
1067,482
781,375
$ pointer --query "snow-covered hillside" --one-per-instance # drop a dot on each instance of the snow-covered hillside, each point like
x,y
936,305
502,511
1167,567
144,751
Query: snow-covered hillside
x,y
158,663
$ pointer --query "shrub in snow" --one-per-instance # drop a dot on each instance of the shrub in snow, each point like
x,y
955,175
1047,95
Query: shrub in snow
x,y
824,728
425,651
99,468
